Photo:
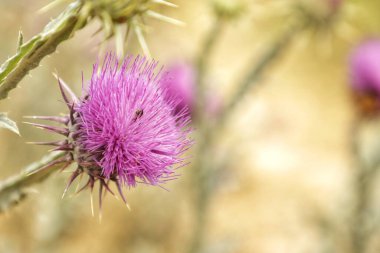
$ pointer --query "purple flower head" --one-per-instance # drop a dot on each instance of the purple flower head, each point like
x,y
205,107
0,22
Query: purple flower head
x,y
365,67
365,76
123,129
180,84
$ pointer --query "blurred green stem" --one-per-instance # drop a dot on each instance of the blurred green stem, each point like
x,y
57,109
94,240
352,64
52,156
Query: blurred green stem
x,y
202,61
200,166
253,76
12,189
363,179
203,168
360,233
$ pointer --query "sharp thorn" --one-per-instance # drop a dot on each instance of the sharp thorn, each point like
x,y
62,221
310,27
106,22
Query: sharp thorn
x,y
102,182
141,40
62,148
100,201
48,143
65,88
63,120
72,113
57,130
65,166
51,164
92,201
71,180
79,181
163,2
84,187
164,18
122,194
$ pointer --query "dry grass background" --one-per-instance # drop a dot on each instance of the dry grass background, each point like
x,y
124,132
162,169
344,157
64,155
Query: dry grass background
x,y
286,187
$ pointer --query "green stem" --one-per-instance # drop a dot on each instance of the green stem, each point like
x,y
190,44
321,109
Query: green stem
x,y
363,179
201,65
200,166
203,172
12,189
253,77
30,54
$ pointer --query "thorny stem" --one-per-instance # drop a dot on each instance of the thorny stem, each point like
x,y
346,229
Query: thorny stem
x,y
12,189
30,54
203,169
75,17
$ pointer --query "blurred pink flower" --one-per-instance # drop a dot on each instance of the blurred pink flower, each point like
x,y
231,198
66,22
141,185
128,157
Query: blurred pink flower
x,y
123,129
365,67
179,84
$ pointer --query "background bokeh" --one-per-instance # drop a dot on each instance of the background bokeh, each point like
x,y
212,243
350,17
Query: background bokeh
x,y
285,182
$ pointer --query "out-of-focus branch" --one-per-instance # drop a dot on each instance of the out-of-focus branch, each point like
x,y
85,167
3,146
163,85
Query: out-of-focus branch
x,y
200,166
203,169
259,67
12,189
202,61
363,178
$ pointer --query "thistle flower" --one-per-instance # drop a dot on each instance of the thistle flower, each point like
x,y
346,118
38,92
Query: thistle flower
x,y
123,129
365,75
180,83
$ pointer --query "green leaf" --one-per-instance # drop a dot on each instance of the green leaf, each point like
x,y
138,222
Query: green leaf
x,y
5,122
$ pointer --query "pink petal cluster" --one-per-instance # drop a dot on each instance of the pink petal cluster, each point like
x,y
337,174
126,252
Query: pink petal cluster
x,y
123,130
179,82
365,67
128,125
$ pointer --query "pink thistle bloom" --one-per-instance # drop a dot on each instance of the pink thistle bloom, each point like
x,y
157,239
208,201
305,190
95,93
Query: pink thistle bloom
x,y
365,67
179,82
365,76
123,129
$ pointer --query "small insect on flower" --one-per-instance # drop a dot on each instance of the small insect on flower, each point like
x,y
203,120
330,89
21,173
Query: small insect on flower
x,y
139,113
123,130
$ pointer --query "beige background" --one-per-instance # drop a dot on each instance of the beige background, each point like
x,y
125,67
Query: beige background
x,y
287,184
